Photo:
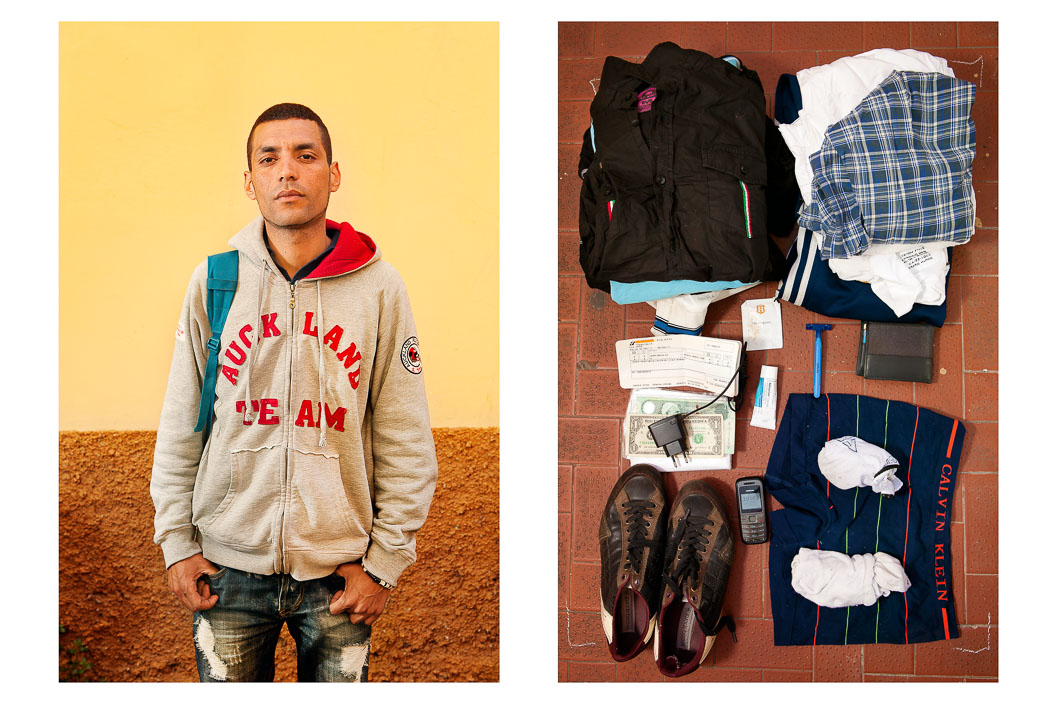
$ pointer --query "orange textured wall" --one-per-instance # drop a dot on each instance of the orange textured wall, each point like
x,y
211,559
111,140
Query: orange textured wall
x,y
441,623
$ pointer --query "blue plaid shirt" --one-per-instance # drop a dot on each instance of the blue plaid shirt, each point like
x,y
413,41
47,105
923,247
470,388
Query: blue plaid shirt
x,y
897,169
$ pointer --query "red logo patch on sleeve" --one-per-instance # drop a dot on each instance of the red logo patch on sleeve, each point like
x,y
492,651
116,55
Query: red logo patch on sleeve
x,y
410,356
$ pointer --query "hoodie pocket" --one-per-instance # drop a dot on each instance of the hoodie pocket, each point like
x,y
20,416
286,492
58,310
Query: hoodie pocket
x,y
321,516
245,517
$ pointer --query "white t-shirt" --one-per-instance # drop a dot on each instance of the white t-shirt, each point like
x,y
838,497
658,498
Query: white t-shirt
x,y
899,276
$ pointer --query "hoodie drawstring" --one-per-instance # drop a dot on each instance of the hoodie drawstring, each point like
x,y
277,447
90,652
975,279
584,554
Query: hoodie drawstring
x,y
322,366
250,415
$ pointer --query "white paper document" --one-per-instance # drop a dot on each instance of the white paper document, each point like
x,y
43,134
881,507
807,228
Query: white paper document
x,y
706,363
761,324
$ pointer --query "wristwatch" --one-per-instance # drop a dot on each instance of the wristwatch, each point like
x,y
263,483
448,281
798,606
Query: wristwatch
x,y
379,580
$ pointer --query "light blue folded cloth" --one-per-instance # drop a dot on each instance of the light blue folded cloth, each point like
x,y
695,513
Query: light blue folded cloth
x,y
654,290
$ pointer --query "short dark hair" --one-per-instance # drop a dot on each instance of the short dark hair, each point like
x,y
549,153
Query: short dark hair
x,y
288,111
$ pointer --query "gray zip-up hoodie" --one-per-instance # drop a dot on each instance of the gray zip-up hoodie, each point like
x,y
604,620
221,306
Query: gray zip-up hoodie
x,y
321,452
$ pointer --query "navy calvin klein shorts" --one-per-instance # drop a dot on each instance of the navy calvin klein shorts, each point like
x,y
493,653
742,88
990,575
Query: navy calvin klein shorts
x,y
913,526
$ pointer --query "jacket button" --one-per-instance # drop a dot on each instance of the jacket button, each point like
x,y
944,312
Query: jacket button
x,y
661,180
635,122
744,170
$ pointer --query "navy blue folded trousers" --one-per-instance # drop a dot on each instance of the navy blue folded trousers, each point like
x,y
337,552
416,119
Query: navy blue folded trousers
x,y
913,526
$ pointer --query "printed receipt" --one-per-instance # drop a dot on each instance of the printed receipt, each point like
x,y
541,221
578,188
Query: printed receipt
x,y
705,363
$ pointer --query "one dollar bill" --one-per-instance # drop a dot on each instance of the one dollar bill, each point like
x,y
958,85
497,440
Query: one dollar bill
x,y
706,434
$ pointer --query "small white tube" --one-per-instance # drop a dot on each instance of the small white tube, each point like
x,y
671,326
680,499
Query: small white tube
x,y
764,415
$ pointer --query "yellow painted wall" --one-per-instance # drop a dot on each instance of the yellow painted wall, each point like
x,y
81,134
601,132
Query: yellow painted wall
x,y
153,119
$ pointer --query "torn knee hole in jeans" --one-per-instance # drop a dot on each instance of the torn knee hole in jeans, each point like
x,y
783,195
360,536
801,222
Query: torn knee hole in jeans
x,y
224,658
353,658
205,639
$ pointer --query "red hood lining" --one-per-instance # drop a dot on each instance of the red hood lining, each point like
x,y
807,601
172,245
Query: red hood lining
x,y
353,250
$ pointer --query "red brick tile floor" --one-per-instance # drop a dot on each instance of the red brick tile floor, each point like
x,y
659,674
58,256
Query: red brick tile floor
x,y
591,403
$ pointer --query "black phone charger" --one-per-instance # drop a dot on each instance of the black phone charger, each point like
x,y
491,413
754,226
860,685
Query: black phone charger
x,y
670,434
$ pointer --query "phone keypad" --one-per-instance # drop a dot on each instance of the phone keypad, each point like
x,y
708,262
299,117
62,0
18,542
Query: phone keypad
x,y
753,529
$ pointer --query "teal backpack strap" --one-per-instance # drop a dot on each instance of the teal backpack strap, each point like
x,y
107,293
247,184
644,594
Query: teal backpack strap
x,y
220,291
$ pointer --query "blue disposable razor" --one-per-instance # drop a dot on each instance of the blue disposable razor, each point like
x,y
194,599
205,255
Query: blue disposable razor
x,y
817,328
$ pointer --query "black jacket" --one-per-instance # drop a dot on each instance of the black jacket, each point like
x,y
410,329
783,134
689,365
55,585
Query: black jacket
x,y
676,188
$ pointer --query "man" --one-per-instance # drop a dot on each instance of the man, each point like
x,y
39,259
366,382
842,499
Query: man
x,y
301,503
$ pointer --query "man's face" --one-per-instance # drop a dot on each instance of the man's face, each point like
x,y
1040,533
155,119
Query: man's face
x,y
289,177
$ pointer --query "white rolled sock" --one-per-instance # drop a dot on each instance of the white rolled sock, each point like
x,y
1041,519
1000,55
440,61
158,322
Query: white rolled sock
x,y
836,580
850,462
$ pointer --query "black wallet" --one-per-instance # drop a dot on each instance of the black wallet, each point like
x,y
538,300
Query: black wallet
x,y
896,351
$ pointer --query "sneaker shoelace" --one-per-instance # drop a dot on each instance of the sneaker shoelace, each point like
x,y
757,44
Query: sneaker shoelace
x,y
691,541
724,622
639,513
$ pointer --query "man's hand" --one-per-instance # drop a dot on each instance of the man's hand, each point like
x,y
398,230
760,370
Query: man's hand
x,y
363,598
187,583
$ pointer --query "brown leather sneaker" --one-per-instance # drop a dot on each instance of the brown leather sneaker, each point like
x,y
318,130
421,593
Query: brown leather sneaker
x,y
697,561
631,535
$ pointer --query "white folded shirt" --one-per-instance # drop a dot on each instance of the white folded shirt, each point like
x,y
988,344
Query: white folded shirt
x,y
900,276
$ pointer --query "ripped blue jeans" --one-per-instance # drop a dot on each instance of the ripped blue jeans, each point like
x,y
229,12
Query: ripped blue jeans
x,y
235,640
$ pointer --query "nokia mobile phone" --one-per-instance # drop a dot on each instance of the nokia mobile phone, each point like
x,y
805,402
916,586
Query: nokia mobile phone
x,y
751,510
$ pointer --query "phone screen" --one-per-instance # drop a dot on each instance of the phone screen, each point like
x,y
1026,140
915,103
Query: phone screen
x,y
751,499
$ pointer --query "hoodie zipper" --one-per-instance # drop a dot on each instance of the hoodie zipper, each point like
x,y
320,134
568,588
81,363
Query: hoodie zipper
x,y
286,459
